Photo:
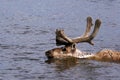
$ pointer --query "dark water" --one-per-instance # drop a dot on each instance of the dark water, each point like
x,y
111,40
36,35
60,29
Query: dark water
x,y
27,31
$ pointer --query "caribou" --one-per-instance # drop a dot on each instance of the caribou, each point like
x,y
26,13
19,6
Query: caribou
x,y
70,50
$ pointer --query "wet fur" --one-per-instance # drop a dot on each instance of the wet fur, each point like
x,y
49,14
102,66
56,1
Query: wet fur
x,y
107,55
67,51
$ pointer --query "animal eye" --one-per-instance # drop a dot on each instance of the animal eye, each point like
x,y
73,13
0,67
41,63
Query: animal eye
x,y
63,49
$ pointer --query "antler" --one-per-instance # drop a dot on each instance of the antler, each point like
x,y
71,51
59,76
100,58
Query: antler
x,y
88,26
62,39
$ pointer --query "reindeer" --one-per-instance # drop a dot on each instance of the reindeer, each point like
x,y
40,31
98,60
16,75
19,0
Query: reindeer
x,y
70,50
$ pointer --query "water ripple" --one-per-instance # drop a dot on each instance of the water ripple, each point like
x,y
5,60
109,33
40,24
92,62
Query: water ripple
x,y
27,30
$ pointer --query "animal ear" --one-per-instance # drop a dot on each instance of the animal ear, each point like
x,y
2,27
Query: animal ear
x,y
73,46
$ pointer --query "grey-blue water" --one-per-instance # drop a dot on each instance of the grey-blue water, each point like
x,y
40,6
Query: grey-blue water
x,y
27,30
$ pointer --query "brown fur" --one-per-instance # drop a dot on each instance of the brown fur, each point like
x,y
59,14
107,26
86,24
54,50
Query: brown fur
x,y
68,51
62,52
107,55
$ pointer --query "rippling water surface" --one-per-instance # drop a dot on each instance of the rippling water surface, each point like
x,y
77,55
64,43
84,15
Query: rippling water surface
x,y
27,30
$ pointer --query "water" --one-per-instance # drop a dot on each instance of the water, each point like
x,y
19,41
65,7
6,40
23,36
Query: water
x,y
27,30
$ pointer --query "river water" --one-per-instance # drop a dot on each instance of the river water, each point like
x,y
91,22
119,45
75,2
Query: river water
x,y
27,30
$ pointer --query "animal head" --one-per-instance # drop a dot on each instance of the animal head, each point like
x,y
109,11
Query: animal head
x,y
63,52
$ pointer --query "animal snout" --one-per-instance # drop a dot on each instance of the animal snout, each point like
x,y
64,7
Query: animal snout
x,y
49,54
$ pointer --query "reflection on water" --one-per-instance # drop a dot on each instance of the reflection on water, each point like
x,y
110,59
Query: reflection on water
x,y
72,67
64,64
27,31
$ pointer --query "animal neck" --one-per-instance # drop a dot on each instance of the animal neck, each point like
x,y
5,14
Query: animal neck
x,y
86,56
82,55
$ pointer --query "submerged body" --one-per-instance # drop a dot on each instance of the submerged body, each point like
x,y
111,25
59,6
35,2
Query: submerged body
x,y
107,55
65,52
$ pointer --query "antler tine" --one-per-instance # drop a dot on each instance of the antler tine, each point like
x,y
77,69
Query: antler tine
x,y
88,27
61,38
95,31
